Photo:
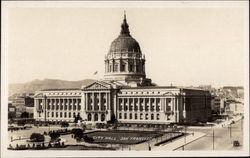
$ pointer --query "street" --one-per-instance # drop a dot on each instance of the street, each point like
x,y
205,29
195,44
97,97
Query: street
x,y
222,140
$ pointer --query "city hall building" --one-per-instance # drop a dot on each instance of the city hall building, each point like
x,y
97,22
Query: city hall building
x,y
124,94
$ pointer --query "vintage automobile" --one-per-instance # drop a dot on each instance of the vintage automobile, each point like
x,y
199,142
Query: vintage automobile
x,y
236,143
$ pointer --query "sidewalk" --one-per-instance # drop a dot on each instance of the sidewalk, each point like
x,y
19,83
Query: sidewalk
x,y
180,142
225,123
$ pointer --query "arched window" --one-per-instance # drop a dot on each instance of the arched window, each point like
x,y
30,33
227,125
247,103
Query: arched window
x,y
137,68
60,114
131,68
141,116
152,116
130,116
146,116
125,115
123,67
116,68
158,116
110,68
89,117
69,114
52,114
56,114
65,114
135,116
120,115
48,114
96,117
102,117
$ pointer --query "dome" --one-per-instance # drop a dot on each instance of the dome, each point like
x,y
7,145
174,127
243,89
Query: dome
x,y
124,42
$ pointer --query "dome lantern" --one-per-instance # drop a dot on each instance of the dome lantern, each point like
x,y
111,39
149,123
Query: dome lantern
x,y
125,26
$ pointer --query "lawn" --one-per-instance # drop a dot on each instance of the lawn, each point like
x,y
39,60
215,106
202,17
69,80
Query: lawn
x,y
122,137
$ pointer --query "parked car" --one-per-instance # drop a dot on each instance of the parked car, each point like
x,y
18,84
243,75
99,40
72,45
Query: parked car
x,y
236,143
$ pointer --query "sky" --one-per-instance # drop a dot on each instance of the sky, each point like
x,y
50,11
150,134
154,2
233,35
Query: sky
x,y
182,46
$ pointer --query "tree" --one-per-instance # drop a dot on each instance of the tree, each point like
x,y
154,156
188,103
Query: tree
x,y
54,136
25,115
64,124
37,137
78,133
21,122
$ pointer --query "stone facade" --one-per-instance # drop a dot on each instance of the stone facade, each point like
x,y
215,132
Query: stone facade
x,y
124,94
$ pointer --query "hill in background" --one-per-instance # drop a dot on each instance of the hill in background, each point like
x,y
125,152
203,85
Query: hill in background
x,y
31,87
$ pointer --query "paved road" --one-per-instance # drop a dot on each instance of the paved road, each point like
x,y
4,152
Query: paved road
x,y
222,139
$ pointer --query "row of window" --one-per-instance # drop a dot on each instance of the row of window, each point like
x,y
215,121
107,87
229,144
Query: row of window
x,y
142,100
61,93
90,100
137,117
96,108
60,114
65,107
51,102
130,108
142,92
96,117
131,68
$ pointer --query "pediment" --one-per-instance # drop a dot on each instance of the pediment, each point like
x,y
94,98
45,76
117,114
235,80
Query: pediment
x,y
39,95
97,85
169,93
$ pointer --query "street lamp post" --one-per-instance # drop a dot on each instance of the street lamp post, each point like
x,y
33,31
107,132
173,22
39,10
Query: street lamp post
x,y
213,139
230,127
241,123
45,108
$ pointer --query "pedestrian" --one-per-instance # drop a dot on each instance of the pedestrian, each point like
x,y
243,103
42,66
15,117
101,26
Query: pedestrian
x,y
149,148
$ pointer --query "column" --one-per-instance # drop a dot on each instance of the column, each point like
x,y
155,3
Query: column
x,y
149,104
92,116
184,107
67,103
63,102
93,101
36,108
139,104
106,98
43,103
177,109
161,104
155,105
144,104
86,101
123,104
133,103
173,106
115,104
72,104
60,104
100,102
109,100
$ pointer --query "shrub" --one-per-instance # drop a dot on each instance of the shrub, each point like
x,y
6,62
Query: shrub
x,y
64,124
25,115
20,122
37,137
78,132
54,136
88,139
